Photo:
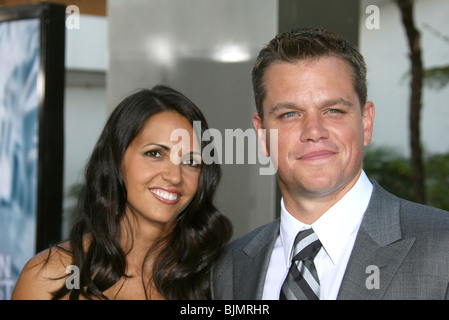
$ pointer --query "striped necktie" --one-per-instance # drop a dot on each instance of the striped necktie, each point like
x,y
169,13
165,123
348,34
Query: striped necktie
x,y
302,281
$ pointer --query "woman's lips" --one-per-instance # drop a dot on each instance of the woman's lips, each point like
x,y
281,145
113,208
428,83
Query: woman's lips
x,y
165,196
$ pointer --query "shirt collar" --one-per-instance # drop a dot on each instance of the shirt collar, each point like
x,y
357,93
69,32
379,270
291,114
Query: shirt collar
x,y
335,226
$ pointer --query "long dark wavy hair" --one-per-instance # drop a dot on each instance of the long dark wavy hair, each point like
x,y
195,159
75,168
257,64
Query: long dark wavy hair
x,y
185,257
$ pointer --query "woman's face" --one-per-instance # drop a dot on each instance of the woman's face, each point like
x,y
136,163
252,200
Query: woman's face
x,y
161,176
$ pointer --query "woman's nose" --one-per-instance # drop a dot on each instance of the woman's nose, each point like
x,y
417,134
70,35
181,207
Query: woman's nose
x,y
172,173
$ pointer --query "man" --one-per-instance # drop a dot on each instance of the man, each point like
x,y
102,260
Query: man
x,y
310,85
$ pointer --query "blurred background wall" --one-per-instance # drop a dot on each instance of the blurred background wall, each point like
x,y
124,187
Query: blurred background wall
x,y
206,48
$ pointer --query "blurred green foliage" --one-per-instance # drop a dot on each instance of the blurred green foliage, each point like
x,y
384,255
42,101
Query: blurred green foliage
x,y
437,180
393,172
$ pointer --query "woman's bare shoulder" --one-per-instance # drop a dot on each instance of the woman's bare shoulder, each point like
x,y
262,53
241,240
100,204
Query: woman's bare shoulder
x,y
43,274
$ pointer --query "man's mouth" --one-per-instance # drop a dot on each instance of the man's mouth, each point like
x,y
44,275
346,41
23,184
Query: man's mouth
x,y
317,155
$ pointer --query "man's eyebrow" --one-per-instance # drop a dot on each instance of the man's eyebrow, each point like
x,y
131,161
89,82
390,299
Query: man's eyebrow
x,y
327,103
281,106
338,101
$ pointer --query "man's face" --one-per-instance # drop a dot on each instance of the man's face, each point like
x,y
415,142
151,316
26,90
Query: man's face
x,y
321,129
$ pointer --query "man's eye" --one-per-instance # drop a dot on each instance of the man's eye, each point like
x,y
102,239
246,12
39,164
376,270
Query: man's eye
x,y
289,114
335,111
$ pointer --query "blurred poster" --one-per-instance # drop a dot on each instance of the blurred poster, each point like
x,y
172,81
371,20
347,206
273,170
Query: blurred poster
x,y
19,120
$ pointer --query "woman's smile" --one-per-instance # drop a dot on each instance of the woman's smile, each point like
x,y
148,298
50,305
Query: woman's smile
x,y
165,196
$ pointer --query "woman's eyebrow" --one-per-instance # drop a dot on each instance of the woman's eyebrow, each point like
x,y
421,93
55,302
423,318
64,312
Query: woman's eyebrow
x,y
163,146
168,149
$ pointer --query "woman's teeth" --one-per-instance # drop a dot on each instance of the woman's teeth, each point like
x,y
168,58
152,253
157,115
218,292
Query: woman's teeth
x,y
165,195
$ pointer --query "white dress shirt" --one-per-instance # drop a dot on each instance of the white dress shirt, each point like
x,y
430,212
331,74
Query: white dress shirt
x,y
337,229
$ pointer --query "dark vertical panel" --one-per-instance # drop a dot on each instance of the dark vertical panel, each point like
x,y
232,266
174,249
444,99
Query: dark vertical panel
x,y
51,126
339,16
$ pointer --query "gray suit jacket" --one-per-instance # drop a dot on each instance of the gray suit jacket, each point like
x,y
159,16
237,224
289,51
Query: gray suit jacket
x,y
408,242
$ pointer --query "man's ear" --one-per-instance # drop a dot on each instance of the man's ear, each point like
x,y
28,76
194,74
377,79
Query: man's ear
x,y
261,134
368,122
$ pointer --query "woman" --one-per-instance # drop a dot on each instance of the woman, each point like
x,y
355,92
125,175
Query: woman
x,y
150,229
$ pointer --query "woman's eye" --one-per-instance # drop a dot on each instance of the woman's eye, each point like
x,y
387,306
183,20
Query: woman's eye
x,y
154,154
192,162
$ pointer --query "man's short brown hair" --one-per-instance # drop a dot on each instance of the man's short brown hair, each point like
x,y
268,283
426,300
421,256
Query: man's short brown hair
x,y
307,43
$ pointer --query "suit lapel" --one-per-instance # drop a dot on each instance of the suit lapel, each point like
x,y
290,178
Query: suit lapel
x,y
369,263
378,250
251,263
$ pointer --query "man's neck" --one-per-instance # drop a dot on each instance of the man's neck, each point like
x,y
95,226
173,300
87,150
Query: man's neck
x,y
308,207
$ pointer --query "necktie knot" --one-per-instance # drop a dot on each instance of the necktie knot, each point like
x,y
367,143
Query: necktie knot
x,y
302,281
306,245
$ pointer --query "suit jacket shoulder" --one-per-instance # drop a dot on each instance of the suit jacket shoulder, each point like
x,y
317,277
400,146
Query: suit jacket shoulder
x,y
417,218
406,243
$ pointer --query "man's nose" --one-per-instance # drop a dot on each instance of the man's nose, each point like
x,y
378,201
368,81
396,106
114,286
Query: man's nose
x,y
313,128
